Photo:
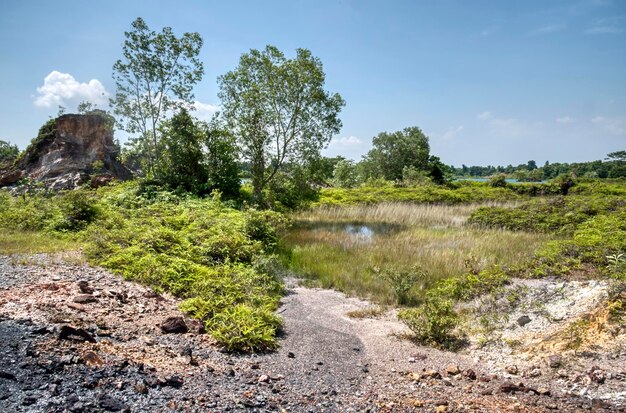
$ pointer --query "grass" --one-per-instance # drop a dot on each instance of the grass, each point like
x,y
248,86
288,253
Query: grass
x,y
431,237
21,242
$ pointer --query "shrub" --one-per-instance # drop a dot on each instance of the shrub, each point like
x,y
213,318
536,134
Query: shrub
x,y
245,328
433,322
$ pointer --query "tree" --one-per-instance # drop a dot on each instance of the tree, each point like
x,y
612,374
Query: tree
x,y
155,76
617,156
345,174
181,166
278,110
394,151
8,151
221,159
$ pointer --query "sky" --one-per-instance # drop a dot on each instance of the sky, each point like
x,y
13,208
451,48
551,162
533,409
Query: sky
x,y
489,82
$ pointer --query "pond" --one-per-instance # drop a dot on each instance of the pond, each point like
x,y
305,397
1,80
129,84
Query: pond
x,y
352,232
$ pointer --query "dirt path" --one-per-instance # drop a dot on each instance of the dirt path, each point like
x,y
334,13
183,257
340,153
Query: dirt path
x,y
327,362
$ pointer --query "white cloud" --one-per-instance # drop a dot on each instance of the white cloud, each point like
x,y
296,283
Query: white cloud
x,y
204,111
484,115
346,141
615,126
63,89
452,133
565,120
604,30
550,28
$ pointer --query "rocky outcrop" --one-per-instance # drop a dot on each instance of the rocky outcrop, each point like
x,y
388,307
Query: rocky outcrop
x,y
67,152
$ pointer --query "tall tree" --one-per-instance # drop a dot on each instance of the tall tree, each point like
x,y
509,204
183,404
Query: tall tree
x,y
8,151
278,110
155,76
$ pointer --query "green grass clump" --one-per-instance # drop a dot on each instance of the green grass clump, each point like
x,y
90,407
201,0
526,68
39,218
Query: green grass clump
x,y
200,250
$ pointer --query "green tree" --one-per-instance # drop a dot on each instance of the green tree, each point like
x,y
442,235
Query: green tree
x,y
345,174
182,164
8,151
392,152
278,110
619,156
155,77
223,173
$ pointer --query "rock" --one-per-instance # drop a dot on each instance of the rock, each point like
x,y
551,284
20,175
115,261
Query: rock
x,y
174,325
543,391
453,369
264,378
77,307
523,320
430,374
71,333
174,381
554,361
84,299
63,155
291,355
470,374
441,409
141,388
110,404
486,392
596,374
90,358
510,387
85,288
6,375
511,369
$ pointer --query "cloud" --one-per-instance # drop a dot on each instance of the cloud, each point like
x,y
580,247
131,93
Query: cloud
x,y
346,141
63,89
204,111
604,30
452,133
615,126
484,116
550,28
565,120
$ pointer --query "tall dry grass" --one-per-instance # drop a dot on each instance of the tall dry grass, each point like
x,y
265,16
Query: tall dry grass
x,y
432,237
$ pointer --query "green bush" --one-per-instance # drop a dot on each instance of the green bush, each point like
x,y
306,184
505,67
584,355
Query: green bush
x,y
245,328
433,322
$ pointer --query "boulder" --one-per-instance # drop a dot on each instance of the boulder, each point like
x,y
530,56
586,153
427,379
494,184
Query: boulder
x,y
67,151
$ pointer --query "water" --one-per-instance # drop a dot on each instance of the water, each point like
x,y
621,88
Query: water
x,y
356,233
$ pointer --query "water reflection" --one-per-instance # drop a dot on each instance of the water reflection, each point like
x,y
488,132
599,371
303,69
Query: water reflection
x,y
348,234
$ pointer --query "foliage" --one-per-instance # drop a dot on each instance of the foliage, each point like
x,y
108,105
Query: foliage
x,y
220,160
345,174
155,76
402,281
433,322
392,152
198,249
181,163
278,110
8,152
498,181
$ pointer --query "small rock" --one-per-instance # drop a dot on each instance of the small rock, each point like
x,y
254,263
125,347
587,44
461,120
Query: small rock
x,y
84,299
174,325
90,358
486,392
264,378
510,387
554,361
141,388
291,355
470,374
511,369
174,381
110,404
596,375
70,333
77,307
543,391
441,409
430,374
84,287
6,375
453,369
523,320
29,400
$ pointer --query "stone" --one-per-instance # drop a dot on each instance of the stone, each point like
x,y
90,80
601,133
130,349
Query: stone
x,y
596,375
6,375
470,374
264,378
72,333
291,355
84,299
90,358
174,325
453,369
554,361
64,153
85,288
174,381
511,369
523,320
110,404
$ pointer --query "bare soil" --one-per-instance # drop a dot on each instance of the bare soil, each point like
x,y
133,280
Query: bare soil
x,y
326,362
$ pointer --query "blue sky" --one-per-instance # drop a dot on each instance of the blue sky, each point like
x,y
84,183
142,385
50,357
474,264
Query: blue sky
x,y
490,82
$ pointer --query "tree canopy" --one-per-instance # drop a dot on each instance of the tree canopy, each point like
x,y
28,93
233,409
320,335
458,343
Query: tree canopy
x,y
155,76
278,110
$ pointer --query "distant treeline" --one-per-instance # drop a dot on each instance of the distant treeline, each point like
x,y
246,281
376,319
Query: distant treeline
x,y
614,166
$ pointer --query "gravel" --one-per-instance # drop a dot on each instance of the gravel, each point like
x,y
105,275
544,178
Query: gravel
x,y
327,362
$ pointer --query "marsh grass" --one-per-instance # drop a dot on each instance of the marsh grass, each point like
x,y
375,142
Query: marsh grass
x,y
23,242
432,238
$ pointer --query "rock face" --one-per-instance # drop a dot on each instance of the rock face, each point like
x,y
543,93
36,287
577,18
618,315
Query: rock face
x,y
67,152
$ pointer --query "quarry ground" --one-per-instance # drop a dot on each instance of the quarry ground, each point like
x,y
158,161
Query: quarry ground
x,y
74,338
